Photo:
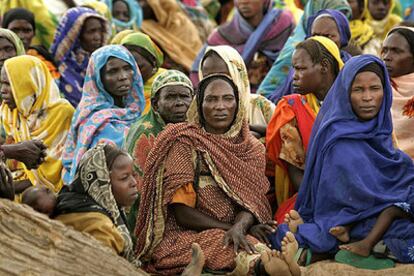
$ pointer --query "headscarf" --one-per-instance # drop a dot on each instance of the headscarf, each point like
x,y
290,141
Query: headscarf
x,y
236,159
91,191
403,100
358,156
143,41
99,7
18,14
121,35
381,27
277,75
14,39
268,37
361,31
135,15
40,114
45,21
71,59
96,118
142,134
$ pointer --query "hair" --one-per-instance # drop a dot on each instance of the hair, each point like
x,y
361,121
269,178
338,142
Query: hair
x,y
204,83
210,54
374,68
18,14
353,49
318,53
407,34
111,153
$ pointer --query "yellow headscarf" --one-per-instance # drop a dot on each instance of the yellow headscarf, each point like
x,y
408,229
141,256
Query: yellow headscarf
x,y
334,51
40,114
381,27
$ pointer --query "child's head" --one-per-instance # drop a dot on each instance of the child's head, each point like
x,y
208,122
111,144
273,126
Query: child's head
x,y
124,185
41,199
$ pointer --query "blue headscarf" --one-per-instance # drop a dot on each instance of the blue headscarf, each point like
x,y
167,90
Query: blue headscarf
x,y
66,50
353,171
135,16
97,119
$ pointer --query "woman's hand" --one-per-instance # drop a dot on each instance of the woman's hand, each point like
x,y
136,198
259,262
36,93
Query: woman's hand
x,y
237,236
262,231
32,153
6,183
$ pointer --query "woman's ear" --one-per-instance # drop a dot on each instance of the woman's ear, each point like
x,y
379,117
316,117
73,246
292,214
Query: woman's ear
x,y
324,66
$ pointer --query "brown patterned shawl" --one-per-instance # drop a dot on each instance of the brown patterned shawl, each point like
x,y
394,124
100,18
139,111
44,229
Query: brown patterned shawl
x,y
237,162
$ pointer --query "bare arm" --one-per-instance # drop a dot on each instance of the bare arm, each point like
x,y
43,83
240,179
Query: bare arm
x,y
295,175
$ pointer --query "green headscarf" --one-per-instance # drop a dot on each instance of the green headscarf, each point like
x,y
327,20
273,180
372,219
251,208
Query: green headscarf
x,y
14,39
170,78
143,41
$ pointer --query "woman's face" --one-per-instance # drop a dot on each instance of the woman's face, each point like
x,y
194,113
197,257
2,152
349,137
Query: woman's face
x,y
6,91
249,8
379,8
147,68
124,185
117,77
307,76
120,10
24,31
173,103
219,107
92,34
326,26
356,9
397,56
7,50
213,64
366,95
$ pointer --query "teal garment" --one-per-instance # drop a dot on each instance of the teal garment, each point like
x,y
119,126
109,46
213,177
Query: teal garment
x,y
280,68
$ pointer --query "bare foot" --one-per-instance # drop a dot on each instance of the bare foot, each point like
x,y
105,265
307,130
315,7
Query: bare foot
x,y
340,232
289,249
361,248
197,261
274,264
293,220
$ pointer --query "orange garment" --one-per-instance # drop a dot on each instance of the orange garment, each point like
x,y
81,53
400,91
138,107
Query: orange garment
x,y
52,68
289,108
185,195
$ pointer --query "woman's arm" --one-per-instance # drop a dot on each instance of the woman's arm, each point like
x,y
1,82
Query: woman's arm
x,y
193,219
295,175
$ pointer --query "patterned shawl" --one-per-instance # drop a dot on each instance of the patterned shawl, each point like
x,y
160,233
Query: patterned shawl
x,y
143,41
14,39
91,191
135,16
280,69
40,114
97,118
45,21
71,59
236,160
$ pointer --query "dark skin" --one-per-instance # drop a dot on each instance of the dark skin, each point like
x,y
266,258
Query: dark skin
x,y
251,10
117,78
356,9
120,10
214,64
379,8
326,26
92,34
6,183
124,185
148,67
24,31
397,55
172,103
7,50
147,11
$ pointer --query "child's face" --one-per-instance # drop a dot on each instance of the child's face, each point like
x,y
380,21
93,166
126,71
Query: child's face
x,y
124,185
45,202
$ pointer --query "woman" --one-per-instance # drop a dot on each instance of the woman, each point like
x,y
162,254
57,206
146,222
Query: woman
x,y
149,59
81,31
34,110
170,28
46,21
351,146
398,55
378,14
280,69
332,24
203,174
112,100
126,14
258,32
10,46
22,23
226,60
316,63
94,202
362,33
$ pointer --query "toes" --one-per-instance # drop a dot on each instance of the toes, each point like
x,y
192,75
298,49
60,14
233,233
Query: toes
x,y
294,214
290,237
265,256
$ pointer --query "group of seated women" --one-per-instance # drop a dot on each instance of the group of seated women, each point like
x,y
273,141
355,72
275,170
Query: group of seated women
x,y
161,149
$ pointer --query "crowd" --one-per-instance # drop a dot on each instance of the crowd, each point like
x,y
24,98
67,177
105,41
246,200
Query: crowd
x,y
250,137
